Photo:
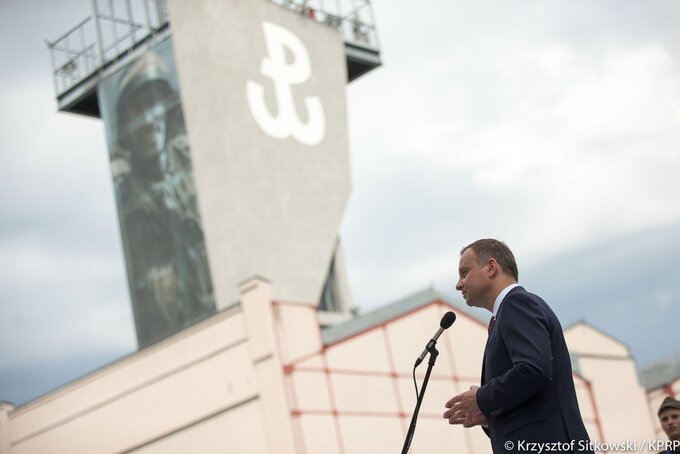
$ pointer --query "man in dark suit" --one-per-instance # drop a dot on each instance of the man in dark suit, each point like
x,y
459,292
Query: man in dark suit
x,y
527,397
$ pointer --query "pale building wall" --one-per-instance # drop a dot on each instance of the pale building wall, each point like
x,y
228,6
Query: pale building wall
x,y
228,432
618,398
5,409
583,338
215,387
298,330
588,407
359,392
358,396
257,379
261,325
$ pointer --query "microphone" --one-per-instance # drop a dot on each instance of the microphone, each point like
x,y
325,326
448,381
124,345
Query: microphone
x,y
447,321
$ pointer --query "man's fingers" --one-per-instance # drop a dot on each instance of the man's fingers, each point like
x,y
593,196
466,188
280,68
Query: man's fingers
x,y
457,419
454,413
451,412
453,400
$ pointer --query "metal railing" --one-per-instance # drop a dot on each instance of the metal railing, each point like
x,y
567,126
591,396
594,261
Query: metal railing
x,y
116,27
354,18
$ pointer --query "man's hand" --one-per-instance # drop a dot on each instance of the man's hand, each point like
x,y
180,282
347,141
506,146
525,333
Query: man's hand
x,y
463,409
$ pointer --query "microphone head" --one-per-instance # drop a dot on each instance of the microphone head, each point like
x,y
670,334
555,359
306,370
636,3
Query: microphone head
x,y
447,320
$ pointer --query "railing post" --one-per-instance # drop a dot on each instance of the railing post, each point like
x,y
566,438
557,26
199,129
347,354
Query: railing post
x,y
376,44
54,68
133,29
81,55
112,18
160,12
98,32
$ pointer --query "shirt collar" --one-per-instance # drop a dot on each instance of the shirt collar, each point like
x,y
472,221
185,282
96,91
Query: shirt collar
x,y
501,296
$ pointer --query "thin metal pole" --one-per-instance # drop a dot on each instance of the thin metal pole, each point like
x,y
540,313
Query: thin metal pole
x,y
83,55
112,18
131,22
54,71
78,25
419,401
146,15
68,56
342,19
160,15
98,30
373,29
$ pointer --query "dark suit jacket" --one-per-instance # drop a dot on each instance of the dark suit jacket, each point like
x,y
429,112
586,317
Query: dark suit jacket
x,y
527,390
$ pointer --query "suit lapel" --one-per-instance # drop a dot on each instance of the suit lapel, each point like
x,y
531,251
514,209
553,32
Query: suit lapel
x,y
494,331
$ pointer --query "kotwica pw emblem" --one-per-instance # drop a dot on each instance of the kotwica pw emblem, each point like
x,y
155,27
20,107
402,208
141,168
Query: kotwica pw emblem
x,y
285,74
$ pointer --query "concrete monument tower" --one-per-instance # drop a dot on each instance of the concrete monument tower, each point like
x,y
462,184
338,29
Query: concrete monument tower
x,y
227,133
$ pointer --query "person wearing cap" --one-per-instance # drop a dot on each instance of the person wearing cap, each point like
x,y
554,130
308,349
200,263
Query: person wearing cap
x,y
669,417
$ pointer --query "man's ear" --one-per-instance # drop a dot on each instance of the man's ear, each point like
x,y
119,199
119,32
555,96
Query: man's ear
x,y
494,269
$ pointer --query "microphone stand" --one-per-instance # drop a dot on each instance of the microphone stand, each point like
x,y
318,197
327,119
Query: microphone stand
x,y
412,428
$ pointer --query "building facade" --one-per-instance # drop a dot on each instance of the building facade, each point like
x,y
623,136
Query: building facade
x,y
264,377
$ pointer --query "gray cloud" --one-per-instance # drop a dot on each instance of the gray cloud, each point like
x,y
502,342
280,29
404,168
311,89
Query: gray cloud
x,y
626,285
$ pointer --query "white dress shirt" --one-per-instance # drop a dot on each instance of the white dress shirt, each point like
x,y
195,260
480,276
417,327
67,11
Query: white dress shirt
x,y
501,296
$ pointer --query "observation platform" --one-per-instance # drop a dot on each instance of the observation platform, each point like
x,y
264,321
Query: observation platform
x,y
119,31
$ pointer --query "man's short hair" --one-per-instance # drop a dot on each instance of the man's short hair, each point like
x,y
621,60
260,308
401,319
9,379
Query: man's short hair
x,y
667,403
490,248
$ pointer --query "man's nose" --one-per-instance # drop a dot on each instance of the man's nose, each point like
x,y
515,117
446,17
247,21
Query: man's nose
x,y
459,286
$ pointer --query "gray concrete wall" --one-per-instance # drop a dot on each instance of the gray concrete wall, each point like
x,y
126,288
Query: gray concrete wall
x,y
272,176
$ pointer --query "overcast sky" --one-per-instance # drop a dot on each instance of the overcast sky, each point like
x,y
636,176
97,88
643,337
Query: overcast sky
x,y
553,126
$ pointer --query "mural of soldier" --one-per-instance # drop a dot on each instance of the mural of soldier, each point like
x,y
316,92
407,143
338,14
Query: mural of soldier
x,y
167,265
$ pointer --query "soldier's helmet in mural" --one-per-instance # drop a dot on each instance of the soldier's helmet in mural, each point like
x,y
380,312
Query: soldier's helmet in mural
x,y
148,110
